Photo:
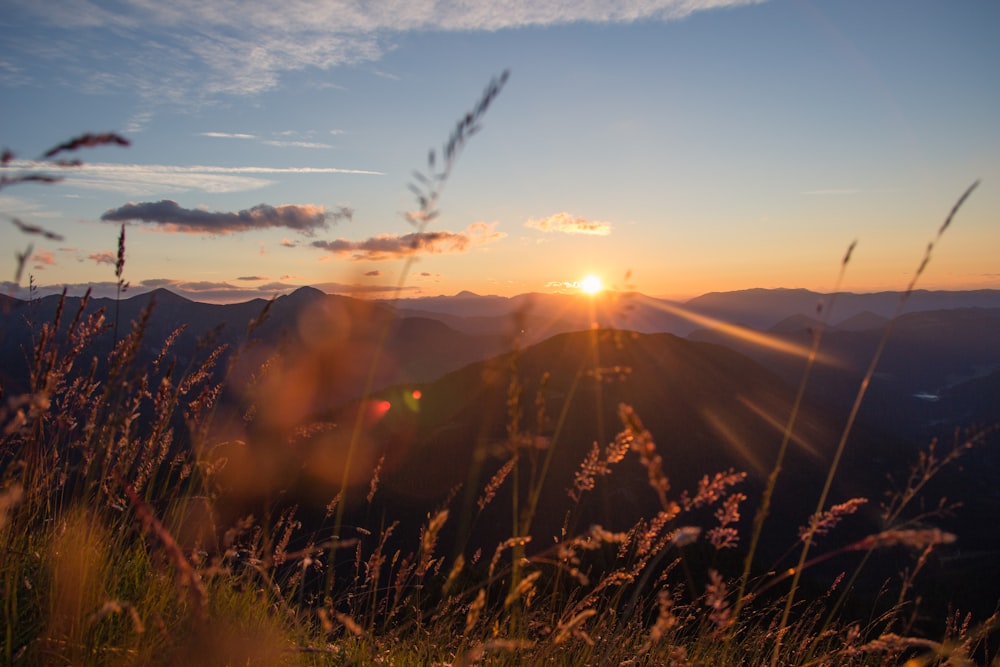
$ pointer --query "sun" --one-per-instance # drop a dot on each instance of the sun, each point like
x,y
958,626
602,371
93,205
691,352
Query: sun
x,y
591,284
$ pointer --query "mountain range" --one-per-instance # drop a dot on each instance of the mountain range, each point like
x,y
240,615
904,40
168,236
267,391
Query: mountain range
x,y
436,385
942,341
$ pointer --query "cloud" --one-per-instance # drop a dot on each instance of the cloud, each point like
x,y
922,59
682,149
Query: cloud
x,y
43,258
149,179
227,135
98,289
211,291
393,246
280,143
485,232
182,52
137,123
172,218
569,224
374,273
103,257
368,290
297,144
253,278
288,243
155,283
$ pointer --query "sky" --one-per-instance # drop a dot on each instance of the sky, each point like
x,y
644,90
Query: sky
x,y
675,147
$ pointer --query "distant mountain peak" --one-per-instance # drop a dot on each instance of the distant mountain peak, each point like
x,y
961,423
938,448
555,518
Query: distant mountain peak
x,y
307,293
163,295
466,294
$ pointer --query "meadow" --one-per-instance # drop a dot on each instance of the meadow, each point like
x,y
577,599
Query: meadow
x,y
210,509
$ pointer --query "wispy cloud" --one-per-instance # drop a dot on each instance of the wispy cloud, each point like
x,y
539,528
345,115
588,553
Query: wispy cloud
x,y
279,143
296,144
485,232
354,289
171,217
227,135
43,258
205,48
566,223
253,279
394,246
149,179
99,289
103,257
137,123
211,291
16,206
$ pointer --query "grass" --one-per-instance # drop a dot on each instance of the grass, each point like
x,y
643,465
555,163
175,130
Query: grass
x,y
127,539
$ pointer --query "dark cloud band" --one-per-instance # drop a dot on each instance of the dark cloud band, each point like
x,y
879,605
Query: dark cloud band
x,y
393,246
170,216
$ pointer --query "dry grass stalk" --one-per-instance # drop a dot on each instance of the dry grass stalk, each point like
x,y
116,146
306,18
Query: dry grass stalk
x,y
349,624
725,536
571,627
524,589
479,651
428,540
597,465
373,484
711,489
917,538
491,488
456,570
509,543
720,613
665,620
641,441
475,610
824,522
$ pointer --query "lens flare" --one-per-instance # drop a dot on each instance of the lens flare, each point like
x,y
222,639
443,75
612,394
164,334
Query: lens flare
x,y
591,284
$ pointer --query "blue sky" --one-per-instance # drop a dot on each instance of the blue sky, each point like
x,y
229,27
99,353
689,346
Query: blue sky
x,y
699,145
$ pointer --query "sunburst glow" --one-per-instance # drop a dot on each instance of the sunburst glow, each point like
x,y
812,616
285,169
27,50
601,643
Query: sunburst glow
x,y
591,284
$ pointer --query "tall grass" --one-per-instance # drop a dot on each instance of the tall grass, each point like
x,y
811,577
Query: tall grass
x,y
127,537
